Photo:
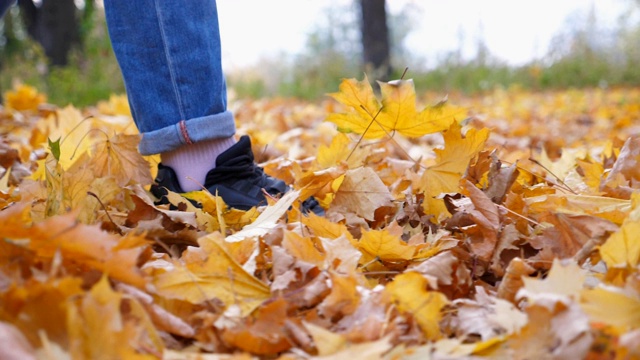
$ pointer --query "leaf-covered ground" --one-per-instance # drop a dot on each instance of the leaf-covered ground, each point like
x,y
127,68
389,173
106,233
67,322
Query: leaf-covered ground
x,y
502,226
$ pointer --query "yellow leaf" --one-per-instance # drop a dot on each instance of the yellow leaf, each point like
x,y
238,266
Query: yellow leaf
x,y
385,246
613,306
119,157
450,165
322,227
360,97
24,97
409,292
116,105
397,113
210,272
622,249
74,132
302,248
339,150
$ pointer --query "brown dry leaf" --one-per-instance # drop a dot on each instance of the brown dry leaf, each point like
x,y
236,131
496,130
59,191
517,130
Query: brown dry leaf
x,y
450,165
570,233
362,193
512,280
263,333
488,316
500,179
210,272
408,291
487,219
626,166
118,157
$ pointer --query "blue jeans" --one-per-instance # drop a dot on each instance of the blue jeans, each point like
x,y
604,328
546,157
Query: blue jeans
x,y
170,58
4,5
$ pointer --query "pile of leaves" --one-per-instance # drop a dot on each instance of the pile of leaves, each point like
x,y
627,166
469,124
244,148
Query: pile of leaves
x,y
505,226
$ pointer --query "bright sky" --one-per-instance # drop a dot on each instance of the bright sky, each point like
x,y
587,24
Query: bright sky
x,y
514,30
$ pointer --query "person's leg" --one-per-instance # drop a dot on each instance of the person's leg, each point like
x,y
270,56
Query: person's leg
x,y
170,58
5,5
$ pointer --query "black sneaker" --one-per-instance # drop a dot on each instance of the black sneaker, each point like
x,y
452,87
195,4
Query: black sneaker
x,y
236,178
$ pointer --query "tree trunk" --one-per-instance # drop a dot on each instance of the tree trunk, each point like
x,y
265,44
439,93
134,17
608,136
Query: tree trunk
x,y
54,25
375,38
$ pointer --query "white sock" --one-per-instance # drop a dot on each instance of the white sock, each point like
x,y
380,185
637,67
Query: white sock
x,y
192,162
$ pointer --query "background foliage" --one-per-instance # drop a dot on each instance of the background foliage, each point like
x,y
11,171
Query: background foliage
x,y
583,54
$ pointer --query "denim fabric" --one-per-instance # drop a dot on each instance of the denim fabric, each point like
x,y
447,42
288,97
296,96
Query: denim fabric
x,y
4,5
170,58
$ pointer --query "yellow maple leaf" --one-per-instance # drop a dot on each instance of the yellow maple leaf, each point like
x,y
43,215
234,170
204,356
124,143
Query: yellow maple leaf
x,y
450,165
339,151
210,272
395,113
409,292
385,246
23,97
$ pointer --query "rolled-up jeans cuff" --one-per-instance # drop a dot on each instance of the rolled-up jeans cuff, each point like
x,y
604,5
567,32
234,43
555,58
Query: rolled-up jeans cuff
x,y
169,138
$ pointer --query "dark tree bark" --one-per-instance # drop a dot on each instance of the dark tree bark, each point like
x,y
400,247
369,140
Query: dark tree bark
x,y
54,25
375,38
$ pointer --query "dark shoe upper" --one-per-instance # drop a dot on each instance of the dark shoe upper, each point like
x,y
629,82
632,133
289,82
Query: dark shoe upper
x,y
236,178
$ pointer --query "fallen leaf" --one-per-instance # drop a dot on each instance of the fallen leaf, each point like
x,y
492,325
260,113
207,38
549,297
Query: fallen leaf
x,y
408,292
622,249
118,157
267,220
210,272
450,165
362,192
396,113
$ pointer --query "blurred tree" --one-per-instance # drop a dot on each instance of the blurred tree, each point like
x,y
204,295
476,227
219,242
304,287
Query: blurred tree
x,y
375,38
54,25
